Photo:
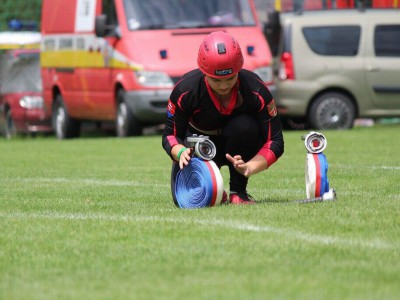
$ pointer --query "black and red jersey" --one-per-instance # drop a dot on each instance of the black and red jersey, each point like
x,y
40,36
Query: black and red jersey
x,y
193,106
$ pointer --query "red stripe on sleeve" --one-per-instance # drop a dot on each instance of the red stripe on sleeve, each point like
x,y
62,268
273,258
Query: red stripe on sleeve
x,y
266,151
172,141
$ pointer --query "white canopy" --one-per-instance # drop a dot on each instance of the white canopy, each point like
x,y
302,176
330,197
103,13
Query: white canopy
x,y
19,39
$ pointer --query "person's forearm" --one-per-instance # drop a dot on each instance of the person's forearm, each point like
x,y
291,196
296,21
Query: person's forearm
x,y
257,164
175,151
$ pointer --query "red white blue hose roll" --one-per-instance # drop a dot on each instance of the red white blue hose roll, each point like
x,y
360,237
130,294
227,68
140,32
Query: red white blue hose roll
x,y
199,184
316,175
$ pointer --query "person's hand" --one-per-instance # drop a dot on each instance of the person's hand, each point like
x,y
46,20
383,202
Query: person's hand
x,y
185,158
239,164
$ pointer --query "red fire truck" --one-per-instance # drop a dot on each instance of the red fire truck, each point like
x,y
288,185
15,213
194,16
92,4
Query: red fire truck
x,y
117,60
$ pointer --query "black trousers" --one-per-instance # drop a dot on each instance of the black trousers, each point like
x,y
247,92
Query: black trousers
x,y
240,136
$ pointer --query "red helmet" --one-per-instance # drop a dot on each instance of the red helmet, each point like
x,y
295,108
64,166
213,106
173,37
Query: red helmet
x,y
220,55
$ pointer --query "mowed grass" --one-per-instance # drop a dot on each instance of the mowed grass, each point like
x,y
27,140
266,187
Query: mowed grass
x,y
92,218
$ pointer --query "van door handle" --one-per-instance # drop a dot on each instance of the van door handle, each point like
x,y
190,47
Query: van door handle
x,y
372,68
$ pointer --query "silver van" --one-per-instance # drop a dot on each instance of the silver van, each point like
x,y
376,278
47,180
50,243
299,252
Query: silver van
x,y
335,66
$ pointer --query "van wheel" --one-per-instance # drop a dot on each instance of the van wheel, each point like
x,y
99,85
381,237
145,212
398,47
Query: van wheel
x,y
332,111
125,123
64,126
10,130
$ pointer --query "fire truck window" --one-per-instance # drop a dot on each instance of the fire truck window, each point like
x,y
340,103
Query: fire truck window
x,y
110,12
156,14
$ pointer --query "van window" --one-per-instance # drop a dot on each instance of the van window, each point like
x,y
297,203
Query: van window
x,y
172,14
386,40
333,40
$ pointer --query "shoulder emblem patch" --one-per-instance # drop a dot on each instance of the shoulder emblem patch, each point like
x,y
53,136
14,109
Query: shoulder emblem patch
x,y
272,111
170,109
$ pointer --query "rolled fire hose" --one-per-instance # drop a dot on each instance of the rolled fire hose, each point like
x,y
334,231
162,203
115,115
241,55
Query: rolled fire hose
x,y
199,184
317,183
316,171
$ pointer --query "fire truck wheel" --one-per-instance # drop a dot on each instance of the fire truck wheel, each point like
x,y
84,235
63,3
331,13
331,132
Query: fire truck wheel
x,y
125,123
64,126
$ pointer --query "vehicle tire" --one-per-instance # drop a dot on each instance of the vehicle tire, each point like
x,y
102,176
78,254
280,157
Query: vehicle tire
x,y
64,126
332,111
125,122
10,130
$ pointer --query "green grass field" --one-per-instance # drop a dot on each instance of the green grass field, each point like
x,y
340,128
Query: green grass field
x,y
92,218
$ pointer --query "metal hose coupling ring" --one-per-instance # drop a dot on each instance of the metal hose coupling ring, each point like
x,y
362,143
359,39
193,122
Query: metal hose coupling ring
x,y
203,147
315,142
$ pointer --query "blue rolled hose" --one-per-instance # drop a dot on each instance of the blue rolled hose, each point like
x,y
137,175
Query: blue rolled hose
x,y
199,184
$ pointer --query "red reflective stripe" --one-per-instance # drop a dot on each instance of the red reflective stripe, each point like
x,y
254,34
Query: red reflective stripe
x,y
268,154
317,175
180,99
172,140
266,151
261,100
214,183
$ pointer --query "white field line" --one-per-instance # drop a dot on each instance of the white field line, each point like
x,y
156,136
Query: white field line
x,y
87,181
360,167
357,243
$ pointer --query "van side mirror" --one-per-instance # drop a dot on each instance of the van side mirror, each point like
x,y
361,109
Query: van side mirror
x,y
103,29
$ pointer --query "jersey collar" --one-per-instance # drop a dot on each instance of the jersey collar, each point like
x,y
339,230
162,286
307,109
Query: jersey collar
x,y
217,103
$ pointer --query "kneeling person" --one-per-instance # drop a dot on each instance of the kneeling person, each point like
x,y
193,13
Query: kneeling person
x,y
232,106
